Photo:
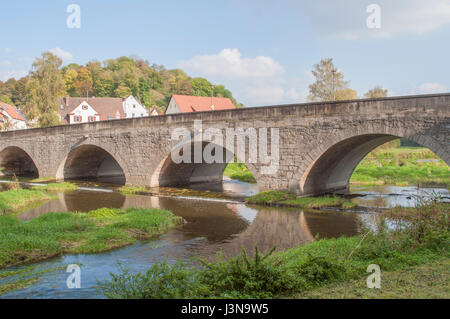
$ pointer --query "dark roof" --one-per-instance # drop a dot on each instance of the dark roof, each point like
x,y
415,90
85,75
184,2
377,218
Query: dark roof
x,y
105,106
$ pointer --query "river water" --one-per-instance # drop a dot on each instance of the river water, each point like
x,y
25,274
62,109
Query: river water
x,y
213,225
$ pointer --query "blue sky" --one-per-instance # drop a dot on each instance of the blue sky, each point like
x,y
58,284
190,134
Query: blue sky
x,y
263,51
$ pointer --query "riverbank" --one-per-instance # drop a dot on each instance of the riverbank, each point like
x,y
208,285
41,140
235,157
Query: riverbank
x,y
240,172
402,166
301,271
285,199
427,281
97,231
17,199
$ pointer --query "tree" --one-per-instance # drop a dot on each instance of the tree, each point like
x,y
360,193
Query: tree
x,y
346,94
122,91
83,82
328,81
376,92
43,90
201,87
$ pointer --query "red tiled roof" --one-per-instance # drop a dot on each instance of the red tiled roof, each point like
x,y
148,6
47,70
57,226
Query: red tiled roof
x,y
12,111
187,103
104,106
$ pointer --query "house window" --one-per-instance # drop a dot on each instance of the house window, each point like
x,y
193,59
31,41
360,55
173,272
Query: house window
x,y
91,118
77,118
132,115
85,107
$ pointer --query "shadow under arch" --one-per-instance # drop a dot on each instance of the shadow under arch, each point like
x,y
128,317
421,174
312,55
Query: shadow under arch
x,y
15,161
332,170
91,162
169,173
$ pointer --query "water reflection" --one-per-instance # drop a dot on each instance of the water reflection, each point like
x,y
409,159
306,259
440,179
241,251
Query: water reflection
x,y
213,226
392,196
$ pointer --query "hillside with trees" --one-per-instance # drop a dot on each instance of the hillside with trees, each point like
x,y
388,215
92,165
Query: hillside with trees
x,y
36,95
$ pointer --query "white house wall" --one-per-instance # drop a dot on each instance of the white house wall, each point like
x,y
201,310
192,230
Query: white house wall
x,y
172,108
83,113
133,108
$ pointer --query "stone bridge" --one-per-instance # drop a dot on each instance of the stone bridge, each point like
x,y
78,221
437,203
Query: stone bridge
x,y
320,144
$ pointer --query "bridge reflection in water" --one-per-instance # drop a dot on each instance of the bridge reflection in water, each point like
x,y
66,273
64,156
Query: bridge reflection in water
x,y
225,226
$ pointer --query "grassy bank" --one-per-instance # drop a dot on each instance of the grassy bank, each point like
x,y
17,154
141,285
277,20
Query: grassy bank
x,y
58,187
97,231
16,199
402,166
425,281
300,271
239,172
285,199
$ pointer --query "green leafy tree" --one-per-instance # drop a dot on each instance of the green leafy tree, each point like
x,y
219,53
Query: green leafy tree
x,y
376,92
43,90
329,80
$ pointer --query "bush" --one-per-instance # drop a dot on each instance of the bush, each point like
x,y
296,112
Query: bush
x,y
160,281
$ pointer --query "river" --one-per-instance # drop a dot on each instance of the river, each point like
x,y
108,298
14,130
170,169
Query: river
x,y
213,225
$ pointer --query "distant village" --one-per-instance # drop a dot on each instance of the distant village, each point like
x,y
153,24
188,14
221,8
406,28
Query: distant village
x,y
76,110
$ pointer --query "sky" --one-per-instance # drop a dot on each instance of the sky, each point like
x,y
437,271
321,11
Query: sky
x,y
263,51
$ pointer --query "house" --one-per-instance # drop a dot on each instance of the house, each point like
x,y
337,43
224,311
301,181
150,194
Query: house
x,y
11,118
93,109
187,104
153,112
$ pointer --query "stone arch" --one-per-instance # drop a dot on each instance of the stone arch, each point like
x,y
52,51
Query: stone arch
x,y
332,163
169,173
91,162
16,161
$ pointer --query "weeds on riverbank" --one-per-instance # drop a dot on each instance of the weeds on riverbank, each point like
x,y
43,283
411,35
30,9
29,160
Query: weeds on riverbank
x,y
93,232
281,198
15,199
422,238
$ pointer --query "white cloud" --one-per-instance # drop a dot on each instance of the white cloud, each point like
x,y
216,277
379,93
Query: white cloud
x,y
259,80
229,63
12,74
64,55
331,18
7,50
429,88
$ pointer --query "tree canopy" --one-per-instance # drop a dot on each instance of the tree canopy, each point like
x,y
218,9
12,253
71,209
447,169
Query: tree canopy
x,y
151,84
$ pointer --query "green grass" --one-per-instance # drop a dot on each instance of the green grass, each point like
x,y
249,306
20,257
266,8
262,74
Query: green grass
x,y
93,232
17,284
427,281
307,270
131,190
239,172
281,198
58,187
16,199
402,166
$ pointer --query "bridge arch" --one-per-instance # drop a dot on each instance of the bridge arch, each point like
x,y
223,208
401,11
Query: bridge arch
x,y
333,167
16,161
169,173
91,162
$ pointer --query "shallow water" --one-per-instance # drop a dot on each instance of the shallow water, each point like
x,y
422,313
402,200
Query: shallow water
x,y
213,225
